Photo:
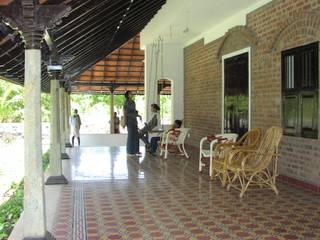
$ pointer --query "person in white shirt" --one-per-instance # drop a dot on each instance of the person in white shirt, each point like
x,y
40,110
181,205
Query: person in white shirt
x,y
75,122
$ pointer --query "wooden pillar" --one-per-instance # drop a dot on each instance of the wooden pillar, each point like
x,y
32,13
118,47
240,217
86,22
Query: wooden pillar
x,y
64,154
34,207
111,111
55,169
66,119
32,19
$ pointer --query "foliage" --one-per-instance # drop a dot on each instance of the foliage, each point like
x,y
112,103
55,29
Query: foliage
x,y
82,101
11,102
165,109
85,101
45,107
45,160
119,101
100,99
10,210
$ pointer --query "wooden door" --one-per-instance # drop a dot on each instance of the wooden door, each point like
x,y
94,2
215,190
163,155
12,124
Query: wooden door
x,y
236,94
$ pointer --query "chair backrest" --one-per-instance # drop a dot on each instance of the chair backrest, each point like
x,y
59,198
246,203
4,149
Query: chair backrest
x,y
230,136
268,147
250,139
183,135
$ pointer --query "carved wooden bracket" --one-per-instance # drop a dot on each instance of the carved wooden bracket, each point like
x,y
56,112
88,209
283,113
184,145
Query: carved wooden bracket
x,y
32,19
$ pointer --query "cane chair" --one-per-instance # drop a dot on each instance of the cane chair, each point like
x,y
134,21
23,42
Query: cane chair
x,y
175,138
250,140
213,140
256,167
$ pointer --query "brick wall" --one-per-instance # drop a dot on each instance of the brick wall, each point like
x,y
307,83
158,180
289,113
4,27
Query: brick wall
x,y
298,159
279,25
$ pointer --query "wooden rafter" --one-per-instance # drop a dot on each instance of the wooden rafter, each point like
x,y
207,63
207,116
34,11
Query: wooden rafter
x,y
91,31
113,72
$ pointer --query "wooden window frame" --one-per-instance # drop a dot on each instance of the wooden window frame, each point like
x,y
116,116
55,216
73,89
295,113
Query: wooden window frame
x,y
300,81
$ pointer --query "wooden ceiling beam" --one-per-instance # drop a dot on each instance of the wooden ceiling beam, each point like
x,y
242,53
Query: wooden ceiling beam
x,y
90,61
109,78
99,84
90,58
89,33
85,33
112,71
75,19
112,75
121,64
94,22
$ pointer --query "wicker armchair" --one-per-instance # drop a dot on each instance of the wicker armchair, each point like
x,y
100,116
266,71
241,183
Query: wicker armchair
x,y
246,167
250,140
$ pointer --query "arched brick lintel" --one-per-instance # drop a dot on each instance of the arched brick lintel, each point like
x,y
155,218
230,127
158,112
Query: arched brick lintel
x,y
305,26
237,31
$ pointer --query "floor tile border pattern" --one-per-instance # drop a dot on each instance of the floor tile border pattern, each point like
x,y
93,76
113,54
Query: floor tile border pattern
x,y
79,216
62,229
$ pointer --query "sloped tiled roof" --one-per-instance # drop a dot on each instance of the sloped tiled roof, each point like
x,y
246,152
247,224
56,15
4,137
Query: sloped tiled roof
x,y
121,70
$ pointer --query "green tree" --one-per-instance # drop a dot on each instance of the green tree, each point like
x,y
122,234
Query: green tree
x,y
86,101
11,102
165,108
106,100
45,107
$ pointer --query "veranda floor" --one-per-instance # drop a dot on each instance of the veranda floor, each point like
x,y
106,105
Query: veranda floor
x,y
115,197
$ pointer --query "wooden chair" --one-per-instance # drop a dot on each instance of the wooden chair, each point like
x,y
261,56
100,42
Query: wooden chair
x,y
249,140
258,167
175,137
210,153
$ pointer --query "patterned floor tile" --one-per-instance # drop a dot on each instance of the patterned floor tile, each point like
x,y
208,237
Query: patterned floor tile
x,y
151,198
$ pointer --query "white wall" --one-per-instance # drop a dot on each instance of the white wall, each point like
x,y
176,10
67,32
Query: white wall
x,y
186,21
169,66
104,140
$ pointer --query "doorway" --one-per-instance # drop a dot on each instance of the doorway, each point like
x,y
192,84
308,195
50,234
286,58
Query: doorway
x,y
165,100
236,92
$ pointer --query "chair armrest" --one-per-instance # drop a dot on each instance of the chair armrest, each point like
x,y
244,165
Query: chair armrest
x,y
238,154
202,141
212,143
171,136
253,154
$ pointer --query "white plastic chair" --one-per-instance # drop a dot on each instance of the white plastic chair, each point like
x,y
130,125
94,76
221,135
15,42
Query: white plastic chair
x,y
210,153
169,138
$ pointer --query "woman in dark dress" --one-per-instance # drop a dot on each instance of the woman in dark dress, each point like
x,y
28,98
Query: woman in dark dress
x,y
130,117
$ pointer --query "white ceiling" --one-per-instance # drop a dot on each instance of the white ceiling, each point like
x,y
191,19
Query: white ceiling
x,y
185,21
